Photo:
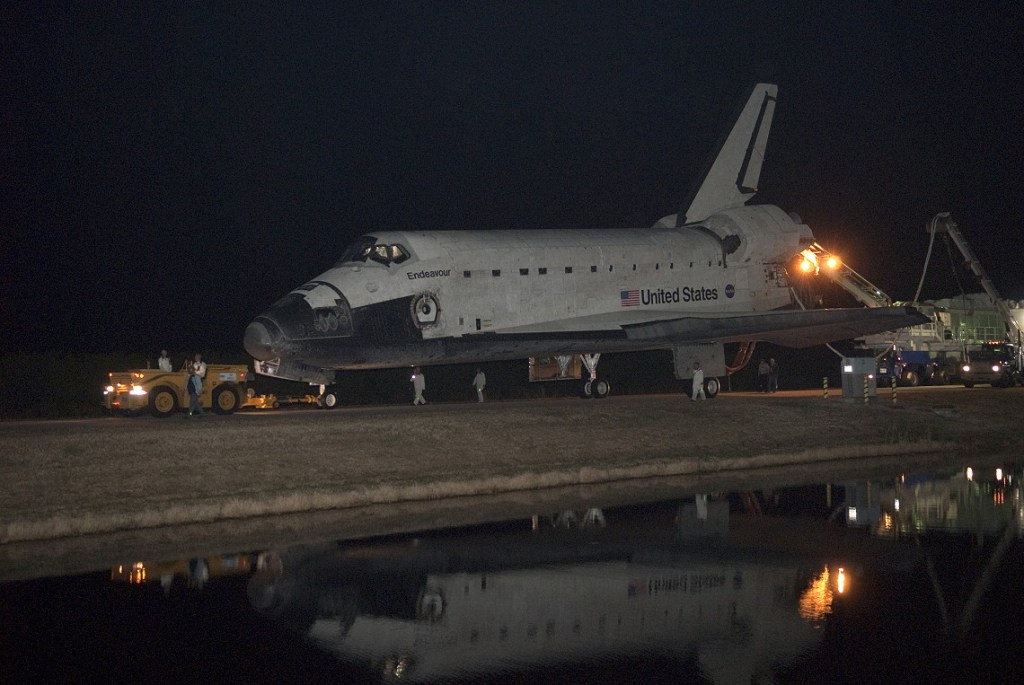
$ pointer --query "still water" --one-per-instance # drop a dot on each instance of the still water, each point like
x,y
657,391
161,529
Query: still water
x,y
903,577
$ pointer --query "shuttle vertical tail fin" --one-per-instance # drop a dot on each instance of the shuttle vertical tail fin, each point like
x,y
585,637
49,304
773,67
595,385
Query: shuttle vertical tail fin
x,y
732,175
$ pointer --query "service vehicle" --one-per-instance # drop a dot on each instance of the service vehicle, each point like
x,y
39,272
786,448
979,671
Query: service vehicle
x,y
997,363
918,367
163,393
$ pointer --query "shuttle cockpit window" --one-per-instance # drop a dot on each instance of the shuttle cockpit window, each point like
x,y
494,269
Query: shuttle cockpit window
x,y
367,248
389,254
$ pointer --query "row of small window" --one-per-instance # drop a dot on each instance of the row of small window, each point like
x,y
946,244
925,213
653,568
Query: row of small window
x,y
542,271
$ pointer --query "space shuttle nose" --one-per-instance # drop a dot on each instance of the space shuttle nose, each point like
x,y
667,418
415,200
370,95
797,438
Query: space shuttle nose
x,y
258,342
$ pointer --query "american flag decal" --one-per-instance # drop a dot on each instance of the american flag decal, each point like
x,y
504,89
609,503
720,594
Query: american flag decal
x,y
629,298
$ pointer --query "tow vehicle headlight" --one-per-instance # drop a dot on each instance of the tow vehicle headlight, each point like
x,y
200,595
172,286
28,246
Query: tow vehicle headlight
x,y
966,367
108,389
137,390
995,367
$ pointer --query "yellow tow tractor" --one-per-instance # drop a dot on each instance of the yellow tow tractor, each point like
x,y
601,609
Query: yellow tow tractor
x,y
164,392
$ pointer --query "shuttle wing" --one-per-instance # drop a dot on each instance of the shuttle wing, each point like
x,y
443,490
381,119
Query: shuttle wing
x,y
789,328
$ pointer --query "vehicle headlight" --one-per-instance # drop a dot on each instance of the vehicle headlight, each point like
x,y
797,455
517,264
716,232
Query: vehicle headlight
x,y
108,389
965,367
137,390
995,367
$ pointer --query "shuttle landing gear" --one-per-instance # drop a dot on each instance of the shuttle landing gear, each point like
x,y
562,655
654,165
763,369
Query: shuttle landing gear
x,y
328,397
598,388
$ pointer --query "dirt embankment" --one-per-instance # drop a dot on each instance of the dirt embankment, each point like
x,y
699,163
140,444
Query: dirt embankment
x,y
61,478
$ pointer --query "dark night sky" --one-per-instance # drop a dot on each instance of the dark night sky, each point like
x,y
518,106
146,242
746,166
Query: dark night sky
x,y
170,170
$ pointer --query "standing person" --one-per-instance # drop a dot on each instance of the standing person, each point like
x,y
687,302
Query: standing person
x,y
419,384
199,365
762,376
164,362
196,371
698,383
773,375
479,381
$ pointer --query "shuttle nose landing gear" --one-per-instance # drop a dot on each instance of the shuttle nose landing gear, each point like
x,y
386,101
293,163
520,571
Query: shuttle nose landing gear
x,y
595,387
328,398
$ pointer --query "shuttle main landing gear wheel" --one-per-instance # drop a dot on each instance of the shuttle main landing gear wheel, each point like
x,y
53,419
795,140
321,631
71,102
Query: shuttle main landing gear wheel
x,y
598,388
711,388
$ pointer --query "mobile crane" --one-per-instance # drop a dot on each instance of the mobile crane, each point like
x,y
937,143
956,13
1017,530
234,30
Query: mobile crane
x,y
997,362
960,333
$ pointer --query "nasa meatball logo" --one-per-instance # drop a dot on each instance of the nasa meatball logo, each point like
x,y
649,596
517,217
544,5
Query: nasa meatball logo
x,y
730,290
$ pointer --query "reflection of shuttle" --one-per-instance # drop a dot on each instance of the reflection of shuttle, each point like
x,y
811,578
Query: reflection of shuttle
x,y
738,617
712,274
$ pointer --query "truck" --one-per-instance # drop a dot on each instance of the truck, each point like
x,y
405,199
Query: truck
x,y
917,367
163,393
1000,364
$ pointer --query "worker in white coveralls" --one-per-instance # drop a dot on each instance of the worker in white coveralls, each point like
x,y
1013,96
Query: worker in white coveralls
x,y
164,362
419,384
479,381
698,382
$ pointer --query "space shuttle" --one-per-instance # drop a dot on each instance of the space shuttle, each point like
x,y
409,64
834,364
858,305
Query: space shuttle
x,y
714,273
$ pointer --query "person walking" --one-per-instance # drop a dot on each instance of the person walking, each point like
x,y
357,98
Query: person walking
x,y
419,384
773,375
698,383
479,381
164,362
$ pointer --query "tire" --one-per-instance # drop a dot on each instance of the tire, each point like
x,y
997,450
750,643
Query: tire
x,y
939,378
225,399
586,390
330,400
601,388
162,402
911,379
968,384
711,388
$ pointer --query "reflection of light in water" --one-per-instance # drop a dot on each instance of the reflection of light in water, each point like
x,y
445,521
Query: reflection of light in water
x,y
396,667
886,523
816,600
136,573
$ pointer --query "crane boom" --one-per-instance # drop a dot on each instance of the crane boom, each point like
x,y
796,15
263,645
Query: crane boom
x,y
943,223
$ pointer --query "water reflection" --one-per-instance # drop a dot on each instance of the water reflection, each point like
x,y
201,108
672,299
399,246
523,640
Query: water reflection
x,y
556,596
194,572
434,609
983,501
922,578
